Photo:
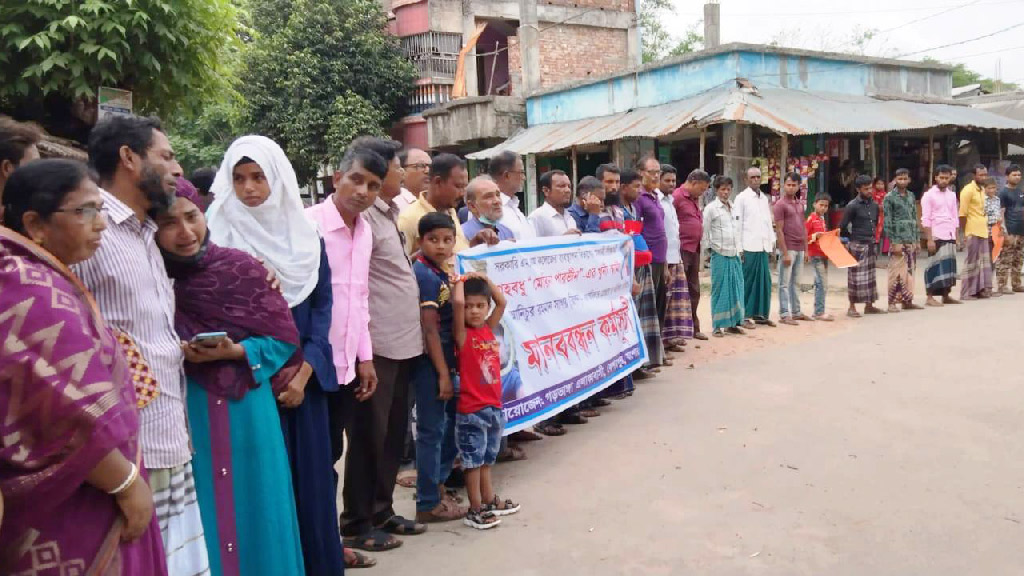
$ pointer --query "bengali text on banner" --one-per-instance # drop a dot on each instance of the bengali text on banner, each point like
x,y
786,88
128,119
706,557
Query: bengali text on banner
x,y
570,328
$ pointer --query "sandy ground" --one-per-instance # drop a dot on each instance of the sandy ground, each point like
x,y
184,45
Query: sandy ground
x,y
884,445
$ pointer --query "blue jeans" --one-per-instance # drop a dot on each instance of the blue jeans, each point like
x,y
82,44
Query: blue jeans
x,y
479,436
789,284
820,283
435,437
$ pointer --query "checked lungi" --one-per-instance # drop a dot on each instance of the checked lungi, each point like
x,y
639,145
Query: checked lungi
x,y
940,274
860,280
1010,260
977,268
647,310
901,274
679,316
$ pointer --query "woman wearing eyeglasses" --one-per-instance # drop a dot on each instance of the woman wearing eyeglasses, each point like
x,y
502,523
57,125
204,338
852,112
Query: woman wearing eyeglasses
x,y
74,488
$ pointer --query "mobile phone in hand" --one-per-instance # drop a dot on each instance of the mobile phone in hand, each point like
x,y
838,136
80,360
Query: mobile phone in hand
x,y
209,339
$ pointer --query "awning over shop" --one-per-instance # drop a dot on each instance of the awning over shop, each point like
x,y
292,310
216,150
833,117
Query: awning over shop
x,y
793,112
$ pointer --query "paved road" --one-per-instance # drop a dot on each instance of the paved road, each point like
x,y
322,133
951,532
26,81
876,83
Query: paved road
x,y
886,445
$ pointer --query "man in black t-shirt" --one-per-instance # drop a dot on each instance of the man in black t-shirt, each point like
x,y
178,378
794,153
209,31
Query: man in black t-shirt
x,y
1011,258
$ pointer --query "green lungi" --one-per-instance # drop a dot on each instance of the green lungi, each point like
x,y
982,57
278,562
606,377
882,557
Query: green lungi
x,y
757,285
726,291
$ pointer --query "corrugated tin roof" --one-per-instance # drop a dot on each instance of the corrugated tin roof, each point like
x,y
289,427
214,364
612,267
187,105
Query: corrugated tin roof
x,y
793,112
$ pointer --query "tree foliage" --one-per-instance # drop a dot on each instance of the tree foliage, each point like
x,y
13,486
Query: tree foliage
x,y
964,76
54,54
319,72
655,41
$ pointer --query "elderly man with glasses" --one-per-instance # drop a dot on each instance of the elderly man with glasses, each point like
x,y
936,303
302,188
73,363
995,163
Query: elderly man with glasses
x,y
757,240
416,178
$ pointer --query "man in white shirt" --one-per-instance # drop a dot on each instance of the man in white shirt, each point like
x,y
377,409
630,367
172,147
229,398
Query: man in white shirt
x,y
552,218
508,172
416,165
757,240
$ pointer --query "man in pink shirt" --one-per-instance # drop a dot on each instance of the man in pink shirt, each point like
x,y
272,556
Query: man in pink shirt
x,y
348,242
940,220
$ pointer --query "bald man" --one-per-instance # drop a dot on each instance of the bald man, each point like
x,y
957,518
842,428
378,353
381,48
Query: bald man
x,y
483,198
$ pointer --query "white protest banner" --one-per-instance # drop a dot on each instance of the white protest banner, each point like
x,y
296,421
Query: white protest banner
x,y
570,327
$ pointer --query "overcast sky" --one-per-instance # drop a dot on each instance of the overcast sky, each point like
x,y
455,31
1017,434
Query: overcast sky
x,y
904,26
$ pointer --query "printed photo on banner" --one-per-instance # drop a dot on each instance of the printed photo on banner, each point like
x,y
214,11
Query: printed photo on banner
x,y
570,327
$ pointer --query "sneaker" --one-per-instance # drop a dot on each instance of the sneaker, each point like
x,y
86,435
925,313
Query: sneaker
x,y
500,508
481,519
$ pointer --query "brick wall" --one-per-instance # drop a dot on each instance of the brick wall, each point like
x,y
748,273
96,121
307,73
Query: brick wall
x,y
577,52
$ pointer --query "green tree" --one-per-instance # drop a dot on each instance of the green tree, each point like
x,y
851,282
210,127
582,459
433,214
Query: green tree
x,y
655,41
55,53
319,72
963,76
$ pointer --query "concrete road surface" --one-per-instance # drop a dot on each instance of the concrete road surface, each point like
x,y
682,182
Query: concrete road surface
x,y
885,445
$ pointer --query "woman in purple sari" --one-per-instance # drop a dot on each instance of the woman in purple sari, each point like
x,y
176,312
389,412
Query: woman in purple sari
x,y
76,499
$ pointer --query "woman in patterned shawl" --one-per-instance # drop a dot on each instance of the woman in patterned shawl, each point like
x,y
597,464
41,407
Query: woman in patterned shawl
x,y
240,457
77,500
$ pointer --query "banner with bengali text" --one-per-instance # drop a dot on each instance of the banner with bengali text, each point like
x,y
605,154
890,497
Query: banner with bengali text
x,y
570,327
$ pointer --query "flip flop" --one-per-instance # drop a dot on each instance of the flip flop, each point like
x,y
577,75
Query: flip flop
x,y
361,561
550,429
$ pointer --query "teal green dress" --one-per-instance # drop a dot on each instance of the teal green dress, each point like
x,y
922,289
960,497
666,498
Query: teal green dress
x,y
243,478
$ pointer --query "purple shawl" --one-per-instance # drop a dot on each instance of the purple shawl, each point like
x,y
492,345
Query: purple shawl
x,y
66,401
226,290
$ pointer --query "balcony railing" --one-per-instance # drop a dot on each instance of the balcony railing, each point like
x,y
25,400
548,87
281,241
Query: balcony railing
x,y
429,95
435,54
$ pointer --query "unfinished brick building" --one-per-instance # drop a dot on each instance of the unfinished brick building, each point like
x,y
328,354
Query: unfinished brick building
x,y
521,46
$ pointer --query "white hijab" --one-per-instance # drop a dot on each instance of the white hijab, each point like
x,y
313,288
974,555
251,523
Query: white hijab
x,y
278,230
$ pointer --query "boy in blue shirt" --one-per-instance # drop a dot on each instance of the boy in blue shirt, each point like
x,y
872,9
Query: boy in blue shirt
x,y
435,406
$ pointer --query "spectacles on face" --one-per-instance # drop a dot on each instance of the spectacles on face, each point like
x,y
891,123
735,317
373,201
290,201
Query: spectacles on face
x,y
85,214
517,172
652,172
422,166
754,177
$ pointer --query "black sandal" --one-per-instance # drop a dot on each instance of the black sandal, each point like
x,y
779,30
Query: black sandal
x,y
372,541
550,429
402,526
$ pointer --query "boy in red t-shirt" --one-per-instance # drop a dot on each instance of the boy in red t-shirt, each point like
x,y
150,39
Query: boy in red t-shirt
x,y
815,228
479,420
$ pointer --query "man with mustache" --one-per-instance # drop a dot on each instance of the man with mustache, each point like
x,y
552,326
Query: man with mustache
x,y
138,173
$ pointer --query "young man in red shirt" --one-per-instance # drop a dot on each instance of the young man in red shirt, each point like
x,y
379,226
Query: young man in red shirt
x,y
479,421
815,228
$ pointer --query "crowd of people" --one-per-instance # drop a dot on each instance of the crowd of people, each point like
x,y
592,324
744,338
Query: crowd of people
x,y
188,360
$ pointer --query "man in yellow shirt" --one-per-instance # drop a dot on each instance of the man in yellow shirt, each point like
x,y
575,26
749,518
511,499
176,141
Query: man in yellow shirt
x,y
448,181
977,276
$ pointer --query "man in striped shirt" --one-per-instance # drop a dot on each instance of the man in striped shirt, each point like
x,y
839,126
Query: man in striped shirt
x,y
137,170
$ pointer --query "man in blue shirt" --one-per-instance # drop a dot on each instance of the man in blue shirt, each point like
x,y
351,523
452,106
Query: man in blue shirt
x,y
484,202
586,211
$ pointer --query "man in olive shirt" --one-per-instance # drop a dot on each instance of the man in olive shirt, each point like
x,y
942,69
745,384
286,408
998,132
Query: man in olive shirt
x,y
1012,256
899,216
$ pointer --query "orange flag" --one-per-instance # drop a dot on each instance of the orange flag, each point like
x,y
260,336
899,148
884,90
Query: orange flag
x,y
997,240
833,247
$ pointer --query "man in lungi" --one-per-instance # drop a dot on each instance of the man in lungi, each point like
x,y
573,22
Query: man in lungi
x,y
977,278
720,236
899,214
860,219
939,223
1011,258
757,240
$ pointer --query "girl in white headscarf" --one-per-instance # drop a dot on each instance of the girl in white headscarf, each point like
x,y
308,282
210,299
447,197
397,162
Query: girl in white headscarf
x,y
258,210
264,215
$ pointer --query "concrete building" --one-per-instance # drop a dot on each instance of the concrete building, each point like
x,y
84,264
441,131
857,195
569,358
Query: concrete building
x,y
517,47
732,106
